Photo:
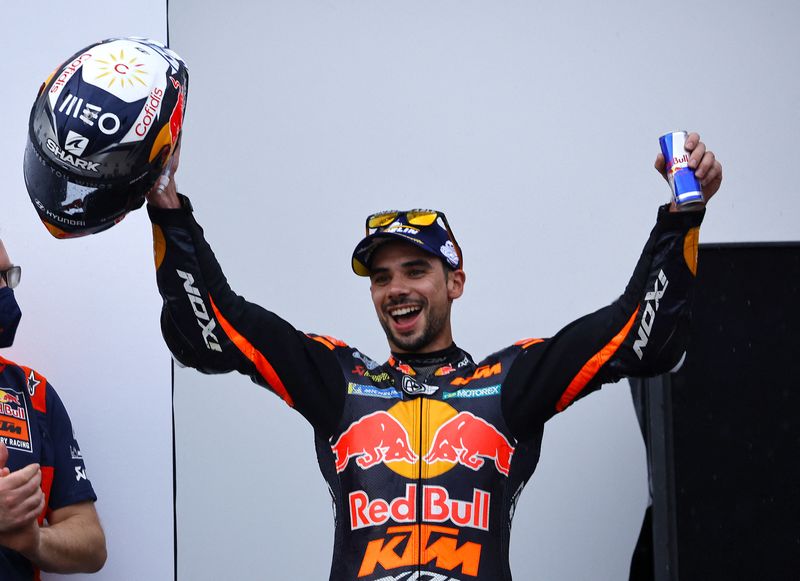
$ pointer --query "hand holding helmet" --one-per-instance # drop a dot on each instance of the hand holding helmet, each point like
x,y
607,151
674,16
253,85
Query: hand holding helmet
x,y
101,132
164,194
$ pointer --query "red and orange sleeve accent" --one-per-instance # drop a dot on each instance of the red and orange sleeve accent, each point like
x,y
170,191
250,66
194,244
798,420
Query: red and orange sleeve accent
x,y
329,342
263,366
525,343
593,365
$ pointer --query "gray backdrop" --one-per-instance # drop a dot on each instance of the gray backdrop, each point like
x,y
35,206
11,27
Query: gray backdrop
x,y
535,126
90,309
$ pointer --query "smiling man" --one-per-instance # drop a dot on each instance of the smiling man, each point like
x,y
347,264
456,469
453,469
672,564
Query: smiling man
x,y
427,453
413,293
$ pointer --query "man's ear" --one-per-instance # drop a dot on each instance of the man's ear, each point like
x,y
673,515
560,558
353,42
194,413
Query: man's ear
x,y
455,283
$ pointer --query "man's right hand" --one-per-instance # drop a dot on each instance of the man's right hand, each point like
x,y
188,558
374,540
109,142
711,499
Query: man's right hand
x,y
21,498
166,195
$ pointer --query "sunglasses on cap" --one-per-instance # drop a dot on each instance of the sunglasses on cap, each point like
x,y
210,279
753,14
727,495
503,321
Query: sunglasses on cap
x,y
416,217
11,275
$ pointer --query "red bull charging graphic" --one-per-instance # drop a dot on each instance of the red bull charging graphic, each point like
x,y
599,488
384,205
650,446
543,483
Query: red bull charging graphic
x,y
390,438
8,397
14,421
375,438
470,440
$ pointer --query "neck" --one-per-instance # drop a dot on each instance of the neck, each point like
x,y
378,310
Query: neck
x,y
431,357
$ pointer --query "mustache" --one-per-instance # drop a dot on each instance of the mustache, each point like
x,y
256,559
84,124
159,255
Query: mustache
x,y
404,302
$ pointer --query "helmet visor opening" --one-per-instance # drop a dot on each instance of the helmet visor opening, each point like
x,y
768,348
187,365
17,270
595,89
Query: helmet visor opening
x,y
74,207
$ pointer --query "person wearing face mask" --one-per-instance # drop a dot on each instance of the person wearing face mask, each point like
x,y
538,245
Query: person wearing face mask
x,y
48,521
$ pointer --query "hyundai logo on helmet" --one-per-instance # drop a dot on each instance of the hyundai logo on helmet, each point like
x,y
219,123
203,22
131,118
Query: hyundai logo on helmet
x,y
101,131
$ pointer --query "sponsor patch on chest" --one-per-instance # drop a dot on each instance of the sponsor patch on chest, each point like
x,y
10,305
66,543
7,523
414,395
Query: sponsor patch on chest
x,y
15,430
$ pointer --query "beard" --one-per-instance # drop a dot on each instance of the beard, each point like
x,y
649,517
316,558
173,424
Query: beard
x,y
435,323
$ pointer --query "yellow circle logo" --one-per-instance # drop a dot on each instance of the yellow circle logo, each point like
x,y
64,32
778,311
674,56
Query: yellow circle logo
x,y
421,417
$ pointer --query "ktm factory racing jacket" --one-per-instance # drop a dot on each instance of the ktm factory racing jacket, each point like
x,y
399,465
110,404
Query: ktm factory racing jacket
x,y
425,455
36,429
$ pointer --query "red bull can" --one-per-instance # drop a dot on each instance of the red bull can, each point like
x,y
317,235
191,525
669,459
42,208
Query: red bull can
x,y
685,188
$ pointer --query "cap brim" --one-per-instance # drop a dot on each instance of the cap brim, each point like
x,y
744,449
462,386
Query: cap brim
x,y
362,255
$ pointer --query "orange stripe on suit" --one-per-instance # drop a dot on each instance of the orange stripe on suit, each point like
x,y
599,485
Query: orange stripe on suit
x,y
262,365
324,341
593,365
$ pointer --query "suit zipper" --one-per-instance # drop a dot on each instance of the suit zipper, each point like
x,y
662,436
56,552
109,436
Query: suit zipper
x,y
419,484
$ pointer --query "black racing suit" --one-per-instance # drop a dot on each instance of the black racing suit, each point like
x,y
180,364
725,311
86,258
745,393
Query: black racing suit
x,y
425,455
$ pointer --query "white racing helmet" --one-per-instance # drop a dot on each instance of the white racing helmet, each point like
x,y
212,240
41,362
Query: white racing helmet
x,y
101,132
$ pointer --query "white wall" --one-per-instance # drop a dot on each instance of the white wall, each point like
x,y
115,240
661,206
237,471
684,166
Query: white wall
x,y
90,308
535,126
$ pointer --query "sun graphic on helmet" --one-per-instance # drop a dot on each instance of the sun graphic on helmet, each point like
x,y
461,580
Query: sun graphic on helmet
x,y
119,69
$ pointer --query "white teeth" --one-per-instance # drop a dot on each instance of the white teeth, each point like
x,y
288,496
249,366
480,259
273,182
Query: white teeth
x,y
403,311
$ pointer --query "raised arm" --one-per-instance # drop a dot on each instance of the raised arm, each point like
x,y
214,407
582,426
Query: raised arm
x,y
209,327
644,332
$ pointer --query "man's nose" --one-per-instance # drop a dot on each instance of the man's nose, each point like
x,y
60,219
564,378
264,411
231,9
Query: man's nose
x,y
398,288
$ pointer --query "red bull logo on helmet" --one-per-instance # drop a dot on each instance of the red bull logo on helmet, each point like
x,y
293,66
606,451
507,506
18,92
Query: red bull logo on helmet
x,y
393,438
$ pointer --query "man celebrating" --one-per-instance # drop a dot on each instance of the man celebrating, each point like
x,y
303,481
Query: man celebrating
x,y
42,474
427,453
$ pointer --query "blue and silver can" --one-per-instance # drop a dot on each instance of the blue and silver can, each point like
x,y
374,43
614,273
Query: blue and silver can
x,y
685,187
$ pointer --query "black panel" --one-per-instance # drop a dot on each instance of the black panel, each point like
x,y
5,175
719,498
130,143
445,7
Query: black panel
x,y
724,432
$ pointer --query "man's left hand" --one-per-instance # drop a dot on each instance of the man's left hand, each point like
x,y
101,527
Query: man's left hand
x,y
707,169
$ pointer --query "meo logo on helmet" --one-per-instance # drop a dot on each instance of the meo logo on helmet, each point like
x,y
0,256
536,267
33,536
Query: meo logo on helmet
x,y
108,123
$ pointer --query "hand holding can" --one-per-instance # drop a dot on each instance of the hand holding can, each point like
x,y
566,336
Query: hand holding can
x,y
686,190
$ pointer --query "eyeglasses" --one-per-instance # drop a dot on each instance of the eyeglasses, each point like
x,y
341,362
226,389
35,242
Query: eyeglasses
x,y
11,276
415,217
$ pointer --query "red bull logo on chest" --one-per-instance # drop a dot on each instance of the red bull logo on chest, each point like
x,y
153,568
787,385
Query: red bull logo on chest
x,y
14,420
395,438
470,440
375,438
437,506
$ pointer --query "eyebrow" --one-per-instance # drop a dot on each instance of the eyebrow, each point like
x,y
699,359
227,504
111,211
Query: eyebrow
x,y
417,262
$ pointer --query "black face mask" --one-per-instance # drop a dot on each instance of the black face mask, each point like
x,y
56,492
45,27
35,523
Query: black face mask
x,y
10,315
